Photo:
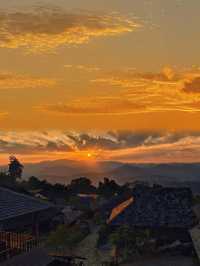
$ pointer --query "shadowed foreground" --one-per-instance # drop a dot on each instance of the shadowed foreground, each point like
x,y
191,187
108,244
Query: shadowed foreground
x,y
37,257
165,261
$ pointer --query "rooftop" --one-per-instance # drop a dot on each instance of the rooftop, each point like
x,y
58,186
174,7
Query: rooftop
x,y
13,204
158,207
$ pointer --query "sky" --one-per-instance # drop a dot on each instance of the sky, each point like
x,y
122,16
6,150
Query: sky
x,y
100,80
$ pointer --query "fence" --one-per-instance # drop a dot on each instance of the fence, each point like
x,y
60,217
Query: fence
x,y
13,244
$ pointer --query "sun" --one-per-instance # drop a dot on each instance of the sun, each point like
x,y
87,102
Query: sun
x,y
89,155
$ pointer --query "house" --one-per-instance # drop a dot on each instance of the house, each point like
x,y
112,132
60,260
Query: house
x,y
167,212
19,211
109,205
21,217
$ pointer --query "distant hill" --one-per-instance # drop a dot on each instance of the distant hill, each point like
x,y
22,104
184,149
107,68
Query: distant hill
x,y
62,171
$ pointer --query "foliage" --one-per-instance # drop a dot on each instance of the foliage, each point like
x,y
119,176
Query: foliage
x,y
59,192
51,191
6,180
99,219
129,240
66,237
104,233
109,188
9,178
196,199
34,183
82,204
81,185
15,168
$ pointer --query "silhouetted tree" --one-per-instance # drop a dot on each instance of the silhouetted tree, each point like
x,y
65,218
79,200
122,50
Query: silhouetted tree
x,y
7,180
81,185
108,188
15,168
82,181
34,183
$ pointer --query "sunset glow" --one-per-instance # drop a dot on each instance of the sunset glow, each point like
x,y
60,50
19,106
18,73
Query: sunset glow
x,y
76,78
99,132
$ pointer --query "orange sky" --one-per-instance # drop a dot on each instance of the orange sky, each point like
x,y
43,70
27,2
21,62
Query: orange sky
x,y
98,66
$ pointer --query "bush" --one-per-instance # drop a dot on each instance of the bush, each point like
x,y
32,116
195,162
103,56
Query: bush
x,y
66,237
129,240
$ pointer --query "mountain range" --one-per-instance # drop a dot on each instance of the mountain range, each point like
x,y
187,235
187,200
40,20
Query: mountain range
x,y
63,171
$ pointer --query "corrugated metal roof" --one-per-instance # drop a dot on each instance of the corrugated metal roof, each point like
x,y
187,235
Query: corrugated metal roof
x,y
158,207
13,204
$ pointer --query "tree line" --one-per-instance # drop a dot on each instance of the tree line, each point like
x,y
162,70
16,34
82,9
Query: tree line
x,y
12,178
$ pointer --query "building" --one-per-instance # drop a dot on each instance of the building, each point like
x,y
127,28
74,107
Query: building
x,y
21,218
105,209
19,211
167,212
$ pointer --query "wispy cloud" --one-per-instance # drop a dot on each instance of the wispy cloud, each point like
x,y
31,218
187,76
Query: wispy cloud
x,y
9,80
168,90
48,28
131,79
85,68
95,106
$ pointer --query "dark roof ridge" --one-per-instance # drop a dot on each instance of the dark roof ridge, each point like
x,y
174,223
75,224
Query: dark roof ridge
x,y
15,204
26,196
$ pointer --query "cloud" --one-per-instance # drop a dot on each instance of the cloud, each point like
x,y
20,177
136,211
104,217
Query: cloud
x,y
84,68
119,140
87,141
33,142
131,79
94,106
185,149
24,142
126,146
126,139
192,86
3,115
135,93
10,80
49,28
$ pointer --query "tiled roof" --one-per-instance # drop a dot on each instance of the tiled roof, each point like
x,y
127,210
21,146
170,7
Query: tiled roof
x,y
13,204
158,207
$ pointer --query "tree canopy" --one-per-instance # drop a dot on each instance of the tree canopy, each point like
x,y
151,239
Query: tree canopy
x,y
15,168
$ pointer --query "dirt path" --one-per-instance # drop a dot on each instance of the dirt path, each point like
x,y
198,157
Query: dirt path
x,y
87,248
